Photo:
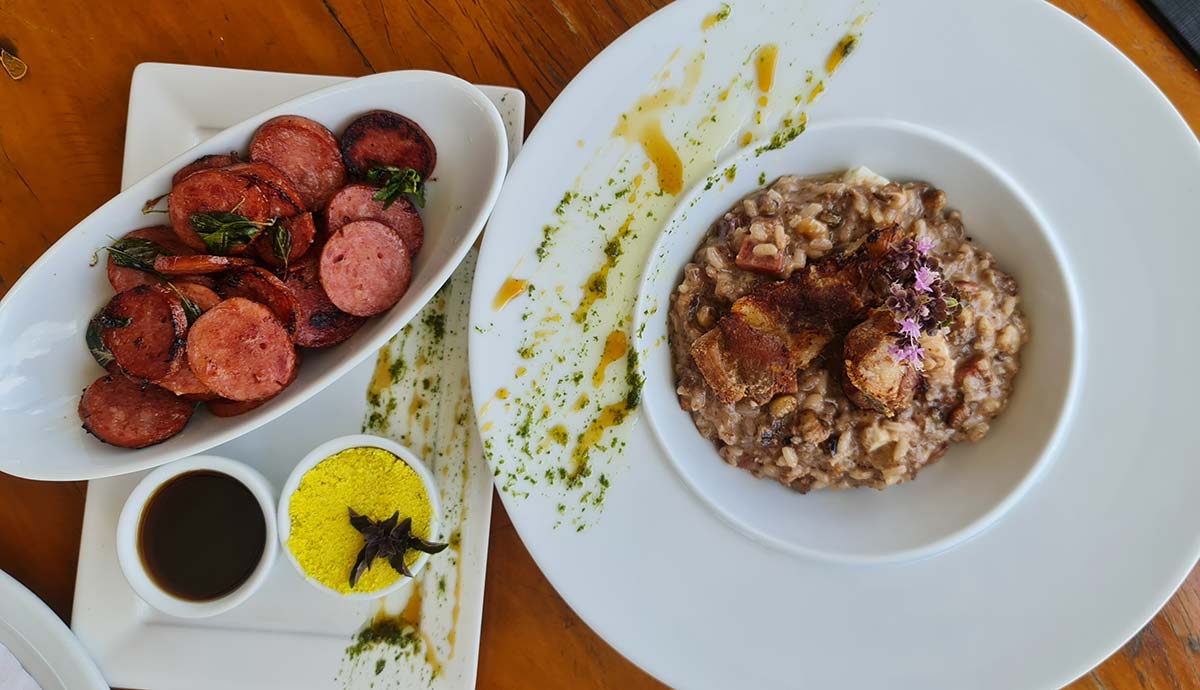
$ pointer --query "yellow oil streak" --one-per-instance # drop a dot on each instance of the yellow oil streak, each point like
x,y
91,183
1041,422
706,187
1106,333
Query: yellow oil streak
x,y
615,347
817,91
840,51
609,417
642,125
596,286
511,288
764,66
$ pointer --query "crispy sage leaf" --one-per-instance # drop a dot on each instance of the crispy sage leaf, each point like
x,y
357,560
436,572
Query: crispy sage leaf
x,y
190,309
395,182
133,252
94,336
224,230
281,243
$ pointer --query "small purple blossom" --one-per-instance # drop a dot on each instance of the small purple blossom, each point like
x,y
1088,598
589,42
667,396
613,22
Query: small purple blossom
x,y
913,354
923,279
910,328
920,301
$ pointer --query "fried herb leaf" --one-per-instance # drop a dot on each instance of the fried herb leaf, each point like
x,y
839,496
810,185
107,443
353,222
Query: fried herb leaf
x,y
95,343
148,207
395,182
107,321
190,309
224,230
281,243
388,539
133,252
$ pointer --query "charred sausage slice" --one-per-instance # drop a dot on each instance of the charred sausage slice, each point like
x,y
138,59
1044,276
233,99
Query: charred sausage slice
x,y
320,323
384,138
216,160
123,277
183,382
132,414
198,264
201,295
215,191
221,407
302,232
259,285
143,328
285,200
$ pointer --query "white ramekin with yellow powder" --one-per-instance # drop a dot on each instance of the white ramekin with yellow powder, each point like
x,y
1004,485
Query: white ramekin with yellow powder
x,y
314,523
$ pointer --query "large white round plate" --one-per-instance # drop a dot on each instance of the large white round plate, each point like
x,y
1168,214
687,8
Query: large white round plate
x,y
44,363
44,645
1079,561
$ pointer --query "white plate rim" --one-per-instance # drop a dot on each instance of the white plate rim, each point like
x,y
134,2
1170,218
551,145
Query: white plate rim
x,y
60,657
1170,580
642,313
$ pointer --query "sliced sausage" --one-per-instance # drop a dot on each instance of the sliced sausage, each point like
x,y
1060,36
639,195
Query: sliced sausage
x,y
132,414
220,407
183,382
198,264
357,202
285,200
303,232
320,323
303,150
365,268
123,277
215,160
143,328
239,350
381,137
259,285
223,407
214,190
201,295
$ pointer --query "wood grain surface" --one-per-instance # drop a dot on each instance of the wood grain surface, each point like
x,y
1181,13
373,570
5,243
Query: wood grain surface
x,y
61,137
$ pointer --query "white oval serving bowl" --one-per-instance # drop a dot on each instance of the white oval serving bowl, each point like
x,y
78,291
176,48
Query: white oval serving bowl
x,y
44,363
974,483
129,527
331,447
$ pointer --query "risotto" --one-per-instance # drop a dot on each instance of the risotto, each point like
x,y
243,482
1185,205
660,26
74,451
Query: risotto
x,y
843,331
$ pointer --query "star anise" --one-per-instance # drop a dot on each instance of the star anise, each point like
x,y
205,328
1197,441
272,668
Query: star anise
x,y
388,539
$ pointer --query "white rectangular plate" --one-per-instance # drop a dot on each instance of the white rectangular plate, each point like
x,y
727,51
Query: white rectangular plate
x,y
290,635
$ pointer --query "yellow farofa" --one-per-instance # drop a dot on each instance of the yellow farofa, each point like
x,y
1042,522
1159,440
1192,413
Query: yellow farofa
x,y
374,483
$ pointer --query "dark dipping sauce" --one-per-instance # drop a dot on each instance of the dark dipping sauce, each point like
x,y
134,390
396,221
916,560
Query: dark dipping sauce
x,y
201,536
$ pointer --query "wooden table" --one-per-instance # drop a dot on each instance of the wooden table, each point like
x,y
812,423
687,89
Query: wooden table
x,y
61,133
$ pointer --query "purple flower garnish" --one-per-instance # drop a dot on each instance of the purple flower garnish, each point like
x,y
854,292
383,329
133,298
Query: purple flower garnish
x,y
920,301
910,328
923,279
913,354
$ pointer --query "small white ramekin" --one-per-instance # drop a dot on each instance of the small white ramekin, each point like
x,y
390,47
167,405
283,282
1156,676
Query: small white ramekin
x,y
332,447
129,525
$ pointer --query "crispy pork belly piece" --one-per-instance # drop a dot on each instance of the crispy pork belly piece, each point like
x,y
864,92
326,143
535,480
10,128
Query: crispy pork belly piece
x,y
874,380
747,356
